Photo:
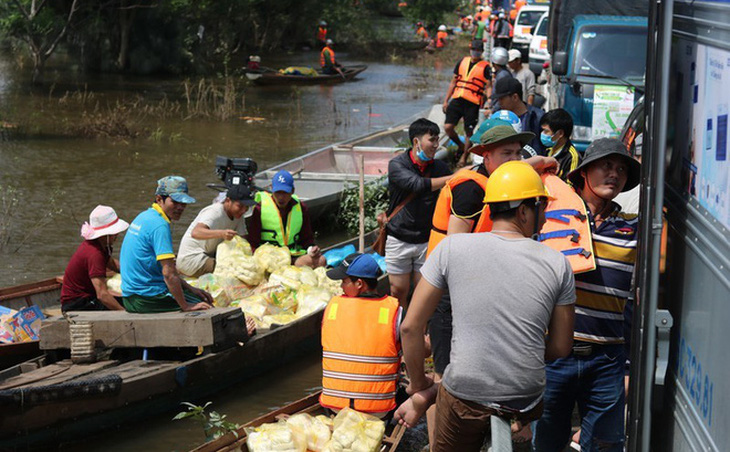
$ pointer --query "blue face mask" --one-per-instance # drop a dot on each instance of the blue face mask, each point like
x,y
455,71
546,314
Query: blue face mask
x,y
422,155
546,140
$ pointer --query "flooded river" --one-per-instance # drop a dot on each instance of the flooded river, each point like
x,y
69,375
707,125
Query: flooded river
x,y
59,180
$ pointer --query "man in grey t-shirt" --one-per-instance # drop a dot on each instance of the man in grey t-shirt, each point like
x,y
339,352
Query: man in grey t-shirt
x,y
507,291
215,223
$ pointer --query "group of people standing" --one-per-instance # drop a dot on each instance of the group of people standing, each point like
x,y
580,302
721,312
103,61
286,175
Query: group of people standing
x,y
515,329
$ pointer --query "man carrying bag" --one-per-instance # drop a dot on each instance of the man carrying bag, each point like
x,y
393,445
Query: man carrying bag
x,y
414,179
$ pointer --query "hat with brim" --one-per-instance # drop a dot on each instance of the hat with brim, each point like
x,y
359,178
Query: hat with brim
x,y
499,135
175,187
103,220
340,272
604,147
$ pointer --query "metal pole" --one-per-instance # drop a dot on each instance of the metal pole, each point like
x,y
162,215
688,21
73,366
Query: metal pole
x,y
362,204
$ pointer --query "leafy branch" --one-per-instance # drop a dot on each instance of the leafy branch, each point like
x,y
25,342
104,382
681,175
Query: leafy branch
x,y
376,201
214,424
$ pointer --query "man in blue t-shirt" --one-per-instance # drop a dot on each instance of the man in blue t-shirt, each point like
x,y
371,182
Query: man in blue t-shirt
x,y
150,281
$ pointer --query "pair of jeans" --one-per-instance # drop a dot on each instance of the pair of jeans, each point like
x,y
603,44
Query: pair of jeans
x,y
596,383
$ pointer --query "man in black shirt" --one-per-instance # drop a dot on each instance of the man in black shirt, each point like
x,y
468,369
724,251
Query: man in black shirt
x,y
414,180
508,94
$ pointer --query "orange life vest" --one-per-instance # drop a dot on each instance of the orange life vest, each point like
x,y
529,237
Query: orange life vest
x,y
321,34
360,354
470,84
567,228
441,39
422,33
323,60
443,211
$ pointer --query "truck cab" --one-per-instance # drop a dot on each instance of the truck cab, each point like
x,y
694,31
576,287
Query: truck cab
x,y
605,51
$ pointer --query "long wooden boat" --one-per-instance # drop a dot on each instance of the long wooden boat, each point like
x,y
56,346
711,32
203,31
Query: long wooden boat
x,y
320,176
47,401
310,405
277,78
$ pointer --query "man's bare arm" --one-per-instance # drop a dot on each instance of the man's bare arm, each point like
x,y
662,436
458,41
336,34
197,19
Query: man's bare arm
x,y
560,334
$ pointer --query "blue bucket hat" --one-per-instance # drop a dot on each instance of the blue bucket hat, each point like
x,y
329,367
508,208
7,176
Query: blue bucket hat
x,y
282,181
175,187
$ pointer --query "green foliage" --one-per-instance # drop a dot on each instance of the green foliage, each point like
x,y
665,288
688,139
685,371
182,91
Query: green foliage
x,y
430,11
376,201
214,424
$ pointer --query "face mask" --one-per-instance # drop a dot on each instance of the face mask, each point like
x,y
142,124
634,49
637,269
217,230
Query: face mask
x,y
546,140
422,155
475,54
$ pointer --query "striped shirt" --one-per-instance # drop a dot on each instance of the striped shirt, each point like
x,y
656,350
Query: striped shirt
x,y
601,294
567,157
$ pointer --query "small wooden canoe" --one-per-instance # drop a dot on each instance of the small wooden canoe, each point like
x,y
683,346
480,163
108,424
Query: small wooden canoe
x,y
270,78
310,404
44,294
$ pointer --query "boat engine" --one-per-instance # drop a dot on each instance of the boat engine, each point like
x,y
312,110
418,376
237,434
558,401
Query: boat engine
x,y
236,171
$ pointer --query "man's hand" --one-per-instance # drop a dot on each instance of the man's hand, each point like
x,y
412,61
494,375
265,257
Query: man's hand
x,y
228,234
314,251
205,296
445,106
544,164
197,307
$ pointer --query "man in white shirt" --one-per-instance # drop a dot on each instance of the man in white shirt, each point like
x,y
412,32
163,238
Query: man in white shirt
x,y
215,223
523,75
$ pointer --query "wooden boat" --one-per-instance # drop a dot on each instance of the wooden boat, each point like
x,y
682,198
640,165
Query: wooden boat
x,y
269,78
44,294
310,405
48,400
320,176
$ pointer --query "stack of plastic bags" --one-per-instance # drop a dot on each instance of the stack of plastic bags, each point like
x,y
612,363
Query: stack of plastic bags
x,y
356,432
353,432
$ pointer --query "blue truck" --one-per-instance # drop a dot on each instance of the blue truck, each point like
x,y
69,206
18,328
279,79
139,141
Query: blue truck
x,y
605,47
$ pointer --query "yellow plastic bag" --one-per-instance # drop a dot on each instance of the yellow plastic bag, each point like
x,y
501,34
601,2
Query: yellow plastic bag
x,y
274,437
356,432
270,257
316,433
233,259
115,283
311,299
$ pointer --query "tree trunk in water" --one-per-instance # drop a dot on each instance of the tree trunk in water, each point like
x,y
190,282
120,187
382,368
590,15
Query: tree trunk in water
x,y
126,18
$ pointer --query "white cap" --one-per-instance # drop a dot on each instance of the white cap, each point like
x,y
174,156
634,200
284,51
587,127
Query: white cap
x,y
514,54
442,27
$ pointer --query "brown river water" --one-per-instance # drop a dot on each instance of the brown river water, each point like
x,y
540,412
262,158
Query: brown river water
x,y
59,180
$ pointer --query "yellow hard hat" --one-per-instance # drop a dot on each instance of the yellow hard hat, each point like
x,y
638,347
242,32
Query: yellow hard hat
x,y
514,181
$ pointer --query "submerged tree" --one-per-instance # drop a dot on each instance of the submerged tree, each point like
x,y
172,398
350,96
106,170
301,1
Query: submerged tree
x,y
37,24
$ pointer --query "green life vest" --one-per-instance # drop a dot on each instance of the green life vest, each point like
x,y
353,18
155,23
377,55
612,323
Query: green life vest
x,y
272,226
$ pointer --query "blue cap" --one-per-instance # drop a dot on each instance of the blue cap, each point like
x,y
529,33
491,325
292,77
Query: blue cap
x,y
364,266
484,126
282,181
175,187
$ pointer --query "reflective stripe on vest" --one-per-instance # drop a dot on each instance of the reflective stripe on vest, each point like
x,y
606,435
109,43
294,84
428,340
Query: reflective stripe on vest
x,y
443,210
272,226
470,84
566,227
326,61
360,354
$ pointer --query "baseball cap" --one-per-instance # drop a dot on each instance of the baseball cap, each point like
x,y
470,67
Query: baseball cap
x,y
506,86
175,187
514,54
242,194
282,181
340,271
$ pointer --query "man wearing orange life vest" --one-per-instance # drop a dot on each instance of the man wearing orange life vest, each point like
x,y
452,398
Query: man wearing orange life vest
x,y
360,341
327,60
322,33
469,88
421,32
441,37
